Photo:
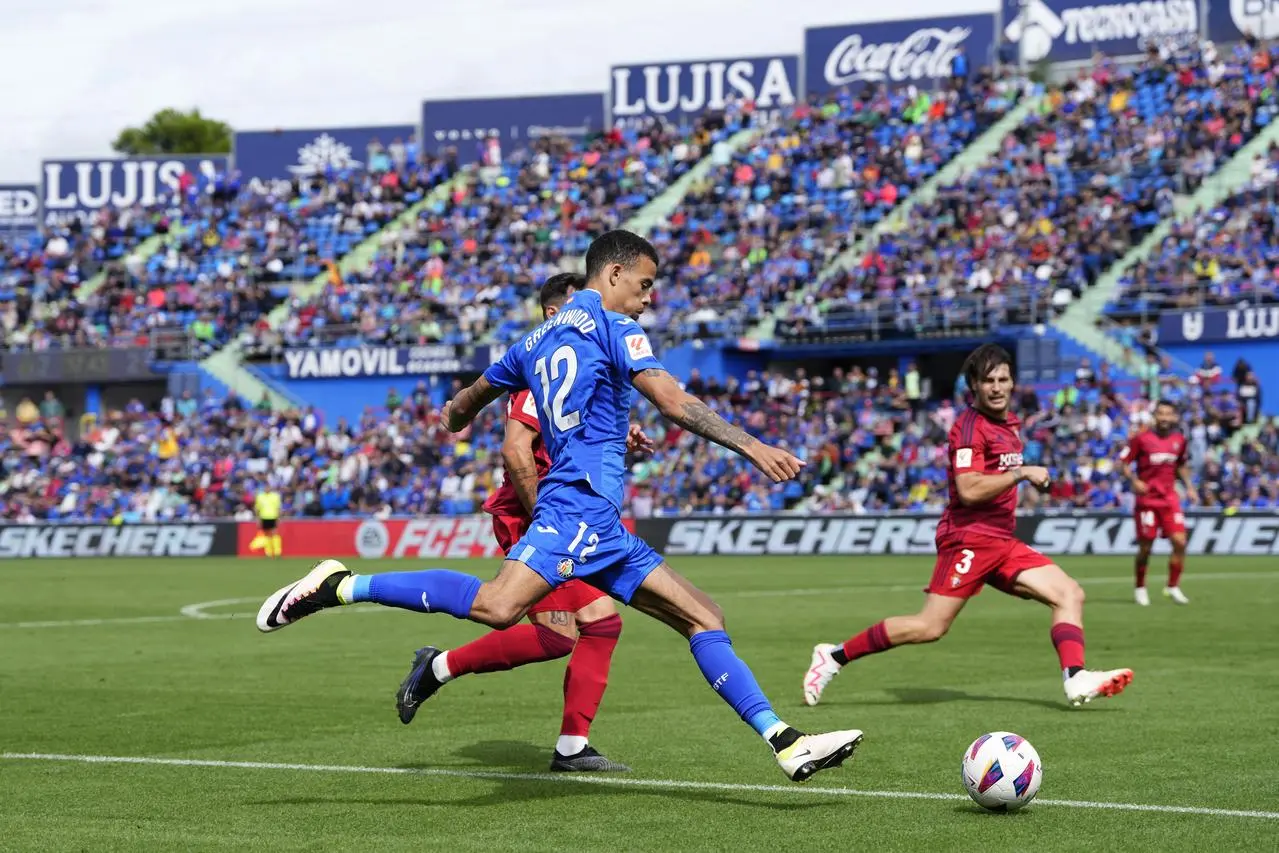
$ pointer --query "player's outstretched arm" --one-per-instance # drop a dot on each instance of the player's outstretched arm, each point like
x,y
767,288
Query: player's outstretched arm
x,y
692,414
469,402
977,488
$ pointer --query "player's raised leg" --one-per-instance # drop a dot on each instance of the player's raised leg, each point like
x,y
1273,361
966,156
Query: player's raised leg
x,y
499,603
670,598
929,625
496,651
1063,594
1176,564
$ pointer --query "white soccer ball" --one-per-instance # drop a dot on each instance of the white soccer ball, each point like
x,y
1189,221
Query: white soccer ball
x,y
1002,771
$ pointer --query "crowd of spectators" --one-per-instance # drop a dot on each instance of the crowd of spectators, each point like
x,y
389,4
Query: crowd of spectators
x,y
1223,256
1092,169
873,440
762,224
465,269
232,253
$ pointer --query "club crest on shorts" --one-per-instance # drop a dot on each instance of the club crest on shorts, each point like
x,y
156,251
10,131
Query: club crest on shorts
x,y
565,569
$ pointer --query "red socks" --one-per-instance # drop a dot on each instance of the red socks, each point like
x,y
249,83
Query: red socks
x,y
585,679
1069,642
1175,565
502,650
871,641
1141,572
587,674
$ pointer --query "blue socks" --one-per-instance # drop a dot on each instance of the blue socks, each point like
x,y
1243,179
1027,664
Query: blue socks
x,y
733,681
427,591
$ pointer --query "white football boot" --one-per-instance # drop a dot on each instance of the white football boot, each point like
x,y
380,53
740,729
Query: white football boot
x,y
1175,593
311,593
822,669
1141,596
812,753
1086,685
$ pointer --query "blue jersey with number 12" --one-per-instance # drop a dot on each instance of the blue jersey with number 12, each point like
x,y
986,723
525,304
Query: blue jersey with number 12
x,y
578,367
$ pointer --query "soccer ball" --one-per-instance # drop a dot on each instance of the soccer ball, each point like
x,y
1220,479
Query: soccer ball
x,y
1001,771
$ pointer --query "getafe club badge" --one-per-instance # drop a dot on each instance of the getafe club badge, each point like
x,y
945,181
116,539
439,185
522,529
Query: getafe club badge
x,y
565,569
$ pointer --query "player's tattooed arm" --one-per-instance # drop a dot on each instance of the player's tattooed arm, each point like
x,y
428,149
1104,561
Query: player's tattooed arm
x,y
469,402
692,414
520,461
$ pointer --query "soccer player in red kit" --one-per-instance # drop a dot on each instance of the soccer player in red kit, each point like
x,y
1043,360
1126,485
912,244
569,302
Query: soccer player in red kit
x,y
977,545
1159,457
574,619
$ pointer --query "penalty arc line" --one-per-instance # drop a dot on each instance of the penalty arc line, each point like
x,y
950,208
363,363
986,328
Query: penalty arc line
x,y
563,779
196,612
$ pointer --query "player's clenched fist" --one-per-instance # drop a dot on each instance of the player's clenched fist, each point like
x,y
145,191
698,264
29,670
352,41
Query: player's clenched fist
x,y
1035,475
778,464
447,416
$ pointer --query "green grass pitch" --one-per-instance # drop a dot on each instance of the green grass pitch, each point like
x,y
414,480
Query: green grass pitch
x,y
97,659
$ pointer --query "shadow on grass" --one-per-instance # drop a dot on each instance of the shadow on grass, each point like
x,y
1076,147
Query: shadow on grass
x,y
504,756
974,810
937,695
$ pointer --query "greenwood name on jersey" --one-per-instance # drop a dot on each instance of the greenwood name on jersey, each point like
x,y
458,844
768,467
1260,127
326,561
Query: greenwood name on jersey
x,y
578,367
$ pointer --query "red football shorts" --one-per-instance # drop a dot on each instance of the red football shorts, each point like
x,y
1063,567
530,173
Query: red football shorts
x,y
569,596
1156,521
963,568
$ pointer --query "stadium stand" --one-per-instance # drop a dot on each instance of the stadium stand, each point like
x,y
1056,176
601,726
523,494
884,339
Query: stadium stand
x,y
1088,173
871,442
465,274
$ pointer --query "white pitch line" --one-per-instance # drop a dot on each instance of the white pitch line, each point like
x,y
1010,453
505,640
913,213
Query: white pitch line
x,y
195,612
613,781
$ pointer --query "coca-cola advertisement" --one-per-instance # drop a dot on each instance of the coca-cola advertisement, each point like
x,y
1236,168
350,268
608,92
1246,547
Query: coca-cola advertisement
x,y
921,52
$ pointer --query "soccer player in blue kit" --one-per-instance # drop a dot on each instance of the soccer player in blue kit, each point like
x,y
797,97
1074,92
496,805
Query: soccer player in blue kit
x,y
581,366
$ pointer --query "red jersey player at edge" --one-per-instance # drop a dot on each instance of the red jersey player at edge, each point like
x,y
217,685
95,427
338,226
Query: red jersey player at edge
x,y
1159,456
575,617
977,545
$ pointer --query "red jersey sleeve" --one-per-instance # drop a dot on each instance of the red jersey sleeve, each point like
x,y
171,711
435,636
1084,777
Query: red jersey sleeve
x,y
1132,450
522,407
968,446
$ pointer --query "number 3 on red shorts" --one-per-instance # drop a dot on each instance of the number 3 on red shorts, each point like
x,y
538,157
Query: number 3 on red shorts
x,y
962,567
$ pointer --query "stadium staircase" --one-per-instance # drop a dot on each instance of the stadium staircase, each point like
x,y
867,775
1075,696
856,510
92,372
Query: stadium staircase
x,y
970,158
1084,320
227,367
657,210
143,252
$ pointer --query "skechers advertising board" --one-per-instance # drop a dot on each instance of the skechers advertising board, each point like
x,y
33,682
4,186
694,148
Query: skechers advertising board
x,y
467,124
919,52
1064,30
77,188
679,90
287,154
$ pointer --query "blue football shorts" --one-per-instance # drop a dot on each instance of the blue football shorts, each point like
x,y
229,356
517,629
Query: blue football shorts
x,y
576,534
